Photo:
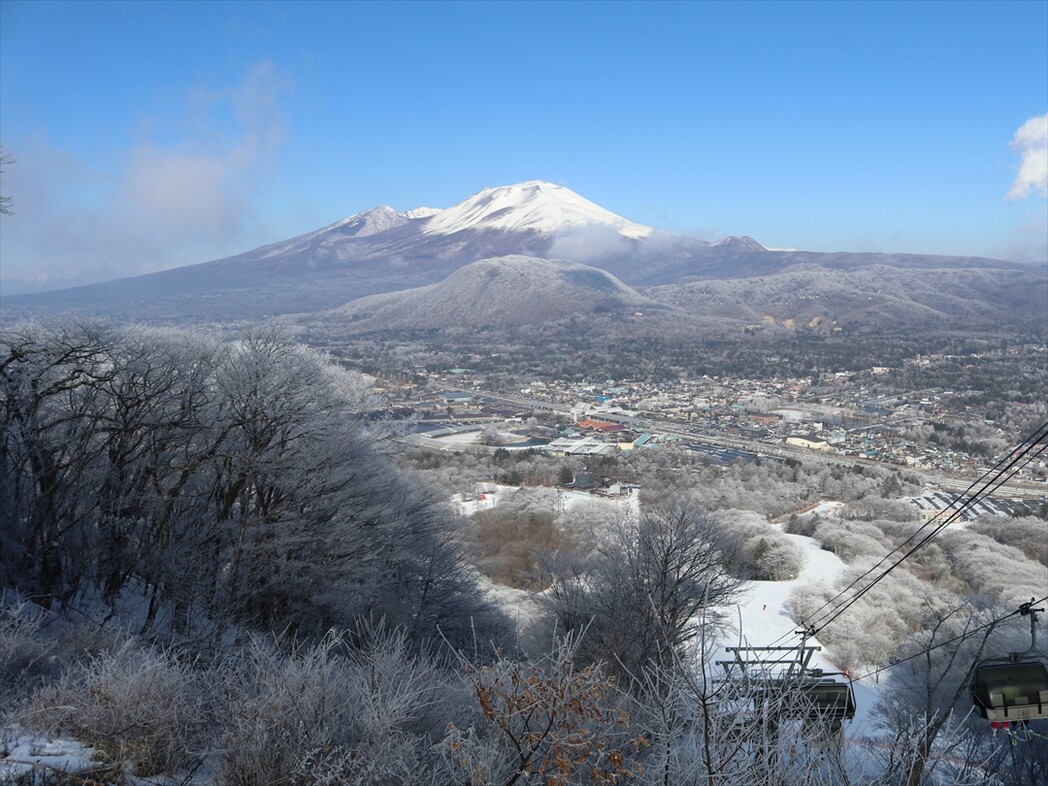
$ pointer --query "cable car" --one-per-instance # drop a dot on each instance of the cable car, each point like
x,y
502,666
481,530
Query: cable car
x,y
1007,692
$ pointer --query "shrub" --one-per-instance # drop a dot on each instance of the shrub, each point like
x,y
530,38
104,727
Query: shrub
x,y
775,559
509,542
280,709
22,650
549,718
392,692
141,707
331,714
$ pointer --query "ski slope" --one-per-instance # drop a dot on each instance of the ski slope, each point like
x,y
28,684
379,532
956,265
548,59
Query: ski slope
x,y
761,619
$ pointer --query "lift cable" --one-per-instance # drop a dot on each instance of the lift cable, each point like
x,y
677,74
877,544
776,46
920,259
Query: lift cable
x,y
967,499
943,525
955,639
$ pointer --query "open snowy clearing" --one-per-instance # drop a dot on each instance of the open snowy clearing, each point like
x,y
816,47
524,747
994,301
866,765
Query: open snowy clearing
x,y
488,495
760,619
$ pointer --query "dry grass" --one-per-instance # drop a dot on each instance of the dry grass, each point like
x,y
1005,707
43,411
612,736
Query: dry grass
x,y
141,708
509,543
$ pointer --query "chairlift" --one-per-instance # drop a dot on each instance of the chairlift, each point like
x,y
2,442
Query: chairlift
x,y
829,699
1007,692
1013,689
823,700
818,699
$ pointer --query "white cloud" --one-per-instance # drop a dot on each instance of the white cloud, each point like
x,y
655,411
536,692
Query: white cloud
x,y
191,197
582,242
1031,145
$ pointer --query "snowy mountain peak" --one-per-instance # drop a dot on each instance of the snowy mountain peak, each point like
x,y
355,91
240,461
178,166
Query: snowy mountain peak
x,y
370,222
741,243
378,219
533,205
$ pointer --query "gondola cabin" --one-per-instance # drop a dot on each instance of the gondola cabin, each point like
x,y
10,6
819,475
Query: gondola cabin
x,y
1008,692
829,699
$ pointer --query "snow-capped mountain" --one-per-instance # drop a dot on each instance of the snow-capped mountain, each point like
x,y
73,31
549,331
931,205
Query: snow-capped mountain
x,y
386,250
371,222
421,212
531,206
377,220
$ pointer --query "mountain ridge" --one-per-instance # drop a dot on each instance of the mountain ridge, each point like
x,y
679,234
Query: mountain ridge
x,y
384,250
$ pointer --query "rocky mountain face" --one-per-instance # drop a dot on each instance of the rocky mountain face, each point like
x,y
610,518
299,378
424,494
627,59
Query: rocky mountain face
x,y
518,229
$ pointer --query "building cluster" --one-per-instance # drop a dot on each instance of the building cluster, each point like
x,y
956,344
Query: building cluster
x,y
838,414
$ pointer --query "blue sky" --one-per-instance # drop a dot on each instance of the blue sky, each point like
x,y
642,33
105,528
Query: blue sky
x,y
152,135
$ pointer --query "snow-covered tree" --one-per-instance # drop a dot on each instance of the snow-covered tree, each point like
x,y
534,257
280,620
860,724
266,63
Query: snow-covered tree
x,y
231,482
639,596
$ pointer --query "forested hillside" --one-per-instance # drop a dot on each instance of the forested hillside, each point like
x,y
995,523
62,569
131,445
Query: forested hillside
x,y
219,569
226,483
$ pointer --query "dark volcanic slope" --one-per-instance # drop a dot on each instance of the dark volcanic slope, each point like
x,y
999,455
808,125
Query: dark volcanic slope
x,y
314,272
503,291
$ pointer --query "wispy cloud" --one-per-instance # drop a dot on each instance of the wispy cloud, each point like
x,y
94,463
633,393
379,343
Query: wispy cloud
x,y
174,196
1031,145
583,242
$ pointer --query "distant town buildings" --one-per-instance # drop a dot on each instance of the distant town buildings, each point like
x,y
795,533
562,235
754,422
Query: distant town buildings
x,y
832,414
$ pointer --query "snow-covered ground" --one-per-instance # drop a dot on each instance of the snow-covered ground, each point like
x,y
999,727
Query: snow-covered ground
x,y
22,753
488,495
522,605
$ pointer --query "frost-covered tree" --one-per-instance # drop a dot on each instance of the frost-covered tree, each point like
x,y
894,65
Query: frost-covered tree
x,y
228,482
851,539
639,596
1029,534
51,381
775,558
926,701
